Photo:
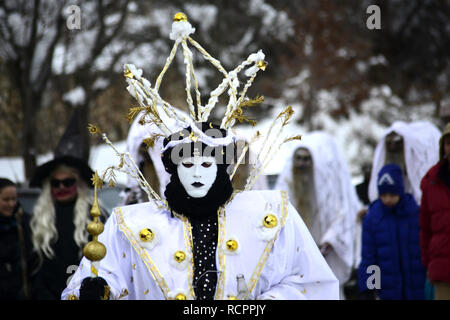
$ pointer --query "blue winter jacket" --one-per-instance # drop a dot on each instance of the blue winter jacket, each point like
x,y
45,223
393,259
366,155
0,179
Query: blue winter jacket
x,y
390,240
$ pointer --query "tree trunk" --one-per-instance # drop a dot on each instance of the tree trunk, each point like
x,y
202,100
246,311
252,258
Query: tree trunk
x,y
30,105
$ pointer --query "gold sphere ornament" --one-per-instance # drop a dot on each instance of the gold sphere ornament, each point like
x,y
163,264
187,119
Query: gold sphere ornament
x,y
232,245
95,228
180,296
270,221
94,251
179,256
146,235
180,16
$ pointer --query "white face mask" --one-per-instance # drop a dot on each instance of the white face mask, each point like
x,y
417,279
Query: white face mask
x,y
197,175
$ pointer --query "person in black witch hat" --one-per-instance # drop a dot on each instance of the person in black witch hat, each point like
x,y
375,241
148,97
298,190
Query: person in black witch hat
x,y
60,215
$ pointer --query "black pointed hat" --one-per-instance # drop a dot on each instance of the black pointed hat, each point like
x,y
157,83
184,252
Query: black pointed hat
x,y
67,152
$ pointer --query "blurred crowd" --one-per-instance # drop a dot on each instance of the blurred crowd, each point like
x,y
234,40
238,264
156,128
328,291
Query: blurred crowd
x,y
387,237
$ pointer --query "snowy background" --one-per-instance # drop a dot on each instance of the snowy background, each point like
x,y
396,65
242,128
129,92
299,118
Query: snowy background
x,y
338,75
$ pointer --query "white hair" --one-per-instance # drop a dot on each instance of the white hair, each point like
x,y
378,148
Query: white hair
x,y
44,233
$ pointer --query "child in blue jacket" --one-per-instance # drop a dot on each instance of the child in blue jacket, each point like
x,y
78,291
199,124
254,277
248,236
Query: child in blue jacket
x,y
390,261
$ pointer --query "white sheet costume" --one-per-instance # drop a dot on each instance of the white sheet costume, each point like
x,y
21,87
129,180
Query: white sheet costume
x,y
421,152
279,262
336,200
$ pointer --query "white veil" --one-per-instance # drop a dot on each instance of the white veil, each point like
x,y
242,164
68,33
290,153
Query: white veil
x,y
337,202
421,151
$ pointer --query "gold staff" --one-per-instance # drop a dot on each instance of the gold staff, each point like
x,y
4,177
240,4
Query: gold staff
x,y
95,250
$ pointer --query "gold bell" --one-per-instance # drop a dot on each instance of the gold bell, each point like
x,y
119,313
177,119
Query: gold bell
x,y
270,221
180,296
146,235
180,16
232,245
179,256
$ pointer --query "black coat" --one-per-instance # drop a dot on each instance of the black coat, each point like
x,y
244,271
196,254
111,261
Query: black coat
x,y
11,267
54,274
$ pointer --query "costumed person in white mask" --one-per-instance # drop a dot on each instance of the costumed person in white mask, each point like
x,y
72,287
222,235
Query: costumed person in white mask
x,y
412,146
204,241
318,182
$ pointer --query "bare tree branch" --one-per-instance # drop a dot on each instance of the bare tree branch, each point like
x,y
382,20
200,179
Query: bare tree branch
x,y
46,66
102,39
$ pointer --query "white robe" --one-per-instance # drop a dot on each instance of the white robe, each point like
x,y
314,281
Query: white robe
x,y
421,152
337,202
282,262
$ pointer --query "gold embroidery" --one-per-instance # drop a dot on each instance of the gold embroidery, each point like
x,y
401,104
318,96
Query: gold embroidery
x,y
142,253
220,289
123,293
265,255
94,270
187,233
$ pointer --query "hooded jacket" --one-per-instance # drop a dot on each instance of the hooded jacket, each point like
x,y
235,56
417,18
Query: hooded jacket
x,y
390,240
435,218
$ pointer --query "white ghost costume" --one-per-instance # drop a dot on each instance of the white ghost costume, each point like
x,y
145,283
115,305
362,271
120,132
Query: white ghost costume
x,y
278,262
334,219
421,152
136,135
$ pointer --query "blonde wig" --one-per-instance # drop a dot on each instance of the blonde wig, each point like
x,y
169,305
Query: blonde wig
x,y
44,233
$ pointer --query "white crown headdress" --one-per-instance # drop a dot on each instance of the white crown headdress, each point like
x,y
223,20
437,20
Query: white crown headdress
x,y
155,110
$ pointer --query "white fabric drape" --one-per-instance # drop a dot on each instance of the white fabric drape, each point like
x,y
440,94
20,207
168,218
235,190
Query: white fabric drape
x,y
421,152
337,202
